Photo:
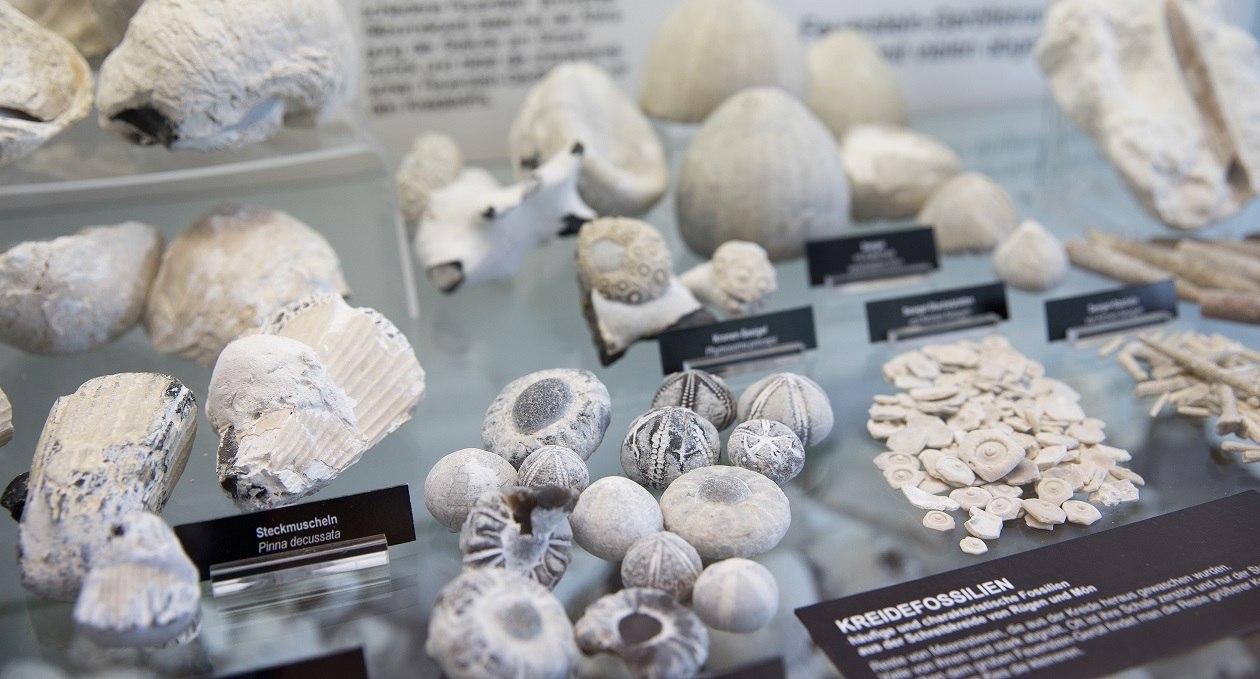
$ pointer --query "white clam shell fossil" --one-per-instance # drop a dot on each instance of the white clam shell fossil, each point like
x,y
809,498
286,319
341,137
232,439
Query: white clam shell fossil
x,y
969,211
612,514
763,169
664,443
736,595
771,448
217,75
655,636
118,444
794,400
557,407
739,279
433,161
624,171
705,393
459,479
45,84
726,511
230,272
662,561
79,292
892,170
850,83
707,50
1031,258
554,466
525,530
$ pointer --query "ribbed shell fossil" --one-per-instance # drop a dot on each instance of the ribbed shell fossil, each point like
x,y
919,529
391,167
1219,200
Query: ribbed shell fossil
x,y
1031,258
142,589
662,561
525,530
491,622
794,400
230,272
726,511
215,75
767,447
45,85
892,170
705,393
738,279
76,293
116,445
736,595
434,161
850,83
624,171
459,479
6,419
708,50
624,260
657,637
938,520
558,407
611,515
969,211
664,443
554,466
762,169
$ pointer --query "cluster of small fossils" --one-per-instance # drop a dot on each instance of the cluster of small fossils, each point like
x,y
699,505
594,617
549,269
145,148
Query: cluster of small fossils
x,y
521,503
976,426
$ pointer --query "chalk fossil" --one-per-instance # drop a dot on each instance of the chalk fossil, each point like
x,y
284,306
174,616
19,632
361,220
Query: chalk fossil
x,y
1106,261
654,635
692,66
611,515
938,520
203,76
738,279
726,511
79,292
459,479
761,169
736,595
892,170
92,26
473,230
433,161
6,419
1185,148
230,272
554,466
662,561
116,445
1081,513
705,393
45,85
770,448
624,171
983,525
850,83
794,400
664,443
1031,258
973,545
493,622
1197,270
142,589
557,407
525,530
969,211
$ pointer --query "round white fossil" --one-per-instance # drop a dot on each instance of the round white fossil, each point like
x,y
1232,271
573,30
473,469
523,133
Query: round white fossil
x,y
525,530
705,393
938,520
1031,258
624,171
434,161
794,400
736,595
738,279
773,449
991,453
969,211
611,515
45,84
459,479
899,475
1043,511
971,496
230,272
76,293
662,561
892,170
973,545
554,466
763,169
1005,508
664,443
726,511
1081,513
1055,491
850,83
653,634
707,50
558,407
217,75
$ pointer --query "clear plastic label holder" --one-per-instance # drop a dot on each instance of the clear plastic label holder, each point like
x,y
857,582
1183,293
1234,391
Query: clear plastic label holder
x,y
956,329
1084,336
742,362
883,279
360,563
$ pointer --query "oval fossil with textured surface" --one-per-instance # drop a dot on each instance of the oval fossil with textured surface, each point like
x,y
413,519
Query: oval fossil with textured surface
x,y
1031,258
611,515
459,479
738,279
664,443
525,530
969,211
892,170
850,83
557,407
726,511
736,595
704,393
767,447
554,466
662,561
794,400
654,635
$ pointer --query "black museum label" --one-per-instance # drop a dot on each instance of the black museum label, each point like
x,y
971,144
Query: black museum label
x,y
342,665
943,309
739,340
1111,309
869,257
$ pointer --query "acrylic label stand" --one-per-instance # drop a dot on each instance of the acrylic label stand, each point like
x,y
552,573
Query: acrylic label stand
x,y
740,345
872,261
971,310
962,328
1090,319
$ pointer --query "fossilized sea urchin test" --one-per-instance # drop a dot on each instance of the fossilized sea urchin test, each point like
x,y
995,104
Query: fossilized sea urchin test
x,y
969,211
736,595
459,479
79,292
738,279
45,85
116,445
664,443
850,83
892,170
1031,258
525,530
794,400
217,75
726,511
705,393
662,561
561,407
657,637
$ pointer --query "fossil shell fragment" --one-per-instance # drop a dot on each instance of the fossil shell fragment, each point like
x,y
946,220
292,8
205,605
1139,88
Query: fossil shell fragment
x,y
984,525
1081,513
230,272
738,279
938,520
969,211
768,447
705,393
459,479
624,171
116,445
45,85
473,230
219,75
79,292
736,595
973,545
708,50
525,530
554,466
142,589
657,637
611,515
794,400
662,561
892,170
557,407
1031,258
726,511
434,161
6,419
664,443
491,622
850,83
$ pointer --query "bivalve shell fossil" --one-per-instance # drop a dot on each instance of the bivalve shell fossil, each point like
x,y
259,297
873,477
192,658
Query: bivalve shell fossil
x,y
736,595
794,400
525,530
611,515
738,279
557,407
459,479
969,211
773,449
662,561
850,83
726,511
664,443
654,635
1031,258
705,393
892,170
554,466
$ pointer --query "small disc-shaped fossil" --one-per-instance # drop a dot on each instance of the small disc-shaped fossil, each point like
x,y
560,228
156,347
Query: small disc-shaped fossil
x,y
662,561
657,637
984,525
625,260
705,393
971,496
990,452
794,400
1081,513
726,511
938,520
611,515
525,530
973,545
561,407
664,443
903,475
1054,490
459,479
1043,511
1005,508
736,595
554,466
772,448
